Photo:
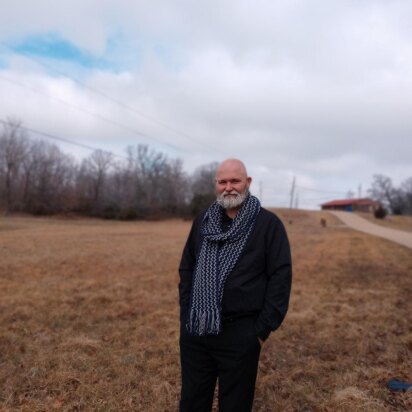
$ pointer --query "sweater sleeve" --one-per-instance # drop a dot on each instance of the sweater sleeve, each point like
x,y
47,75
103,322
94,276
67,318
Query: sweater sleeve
x,y
279,281
186,268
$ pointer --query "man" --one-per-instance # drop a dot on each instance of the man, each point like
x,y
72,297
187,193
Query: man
x,y
235,280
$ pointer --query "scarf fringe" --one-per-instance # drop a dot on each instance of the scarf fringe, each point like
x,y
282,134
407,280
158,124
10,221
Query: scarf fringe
x,y
201,323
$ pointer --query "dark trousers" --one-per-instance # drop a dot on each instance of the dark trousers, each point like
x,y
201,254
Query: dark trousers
x,y
232,357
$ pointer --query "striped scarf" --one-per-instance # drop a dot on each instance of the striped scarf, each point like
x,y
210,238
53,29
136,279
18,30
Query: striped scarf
x,y
218,255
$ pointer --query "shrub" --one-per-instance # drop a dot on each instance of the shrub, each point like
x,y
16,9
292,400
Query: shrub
x,y
109,212
129,213
380,212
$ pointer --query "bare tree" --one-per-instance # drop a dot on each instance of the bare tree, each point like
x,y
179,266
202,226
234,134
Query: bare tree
x,y
37,177
98,164
174,194
203,179
147,168
92,179
406,188
383,190
155,184
203,187
13,149
51,180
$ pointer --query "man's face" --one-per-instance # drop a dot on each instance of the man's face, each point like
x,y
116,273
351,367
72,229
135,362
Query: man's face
x,y
232,186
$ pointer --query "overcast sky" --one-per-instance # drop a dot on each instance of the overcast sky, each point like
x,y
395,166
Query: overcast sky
x,y
316,89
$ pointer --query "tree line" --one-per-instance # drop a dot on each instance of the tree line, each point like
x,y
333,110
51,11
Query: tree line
x,y
395,199
37,177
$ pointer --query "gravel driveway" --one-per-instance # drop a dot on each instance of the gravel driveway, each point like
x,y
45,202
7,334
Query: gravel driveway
x,y
358,223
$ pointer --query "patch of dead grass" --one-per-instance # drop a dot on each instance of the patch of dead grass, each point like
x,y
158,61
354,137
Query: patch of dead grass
x,y
390,221
89,318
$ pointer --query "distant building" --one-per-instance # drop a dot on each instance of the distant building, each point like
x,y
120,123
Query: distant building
x,y
352,205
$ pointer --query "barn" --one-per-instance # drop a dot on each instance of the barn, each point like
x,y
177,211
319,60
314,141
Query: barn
x,y
352,205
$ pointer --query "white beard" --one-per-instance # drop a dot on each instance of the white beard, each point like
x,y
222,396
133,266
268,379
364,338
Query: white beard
x,y
230,202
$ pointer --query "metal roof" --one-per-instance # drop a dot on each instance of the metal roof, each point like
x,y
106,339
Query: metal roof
x,y
348,202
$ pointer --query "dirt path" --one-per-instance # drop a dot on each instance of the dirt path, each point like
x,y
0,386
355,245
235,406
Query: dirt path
x,y
358,223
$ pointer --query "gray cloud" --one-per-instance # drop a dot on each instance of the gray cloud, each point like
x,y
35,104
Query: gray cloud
x,y
316,89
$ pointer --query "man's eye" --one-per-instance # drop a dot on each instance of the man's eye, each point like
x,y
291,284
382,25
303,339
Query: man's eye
x,y
232,182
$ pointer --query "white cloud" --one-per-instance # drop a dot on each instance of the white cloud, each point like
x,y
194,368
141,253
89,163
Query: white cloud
x,y
316,89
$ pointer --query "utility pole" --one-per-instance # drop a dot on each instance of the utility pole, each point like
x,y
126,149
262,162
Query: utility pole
x,y
360,191
292,192
297,201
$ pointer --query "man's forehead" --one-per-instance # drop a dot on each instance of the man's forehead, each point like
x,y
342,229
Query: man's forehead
x,y
231,172
231,168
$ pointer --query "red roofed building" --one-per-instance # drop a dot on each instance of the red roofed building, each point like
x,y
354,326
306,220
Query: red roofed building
x,y
352,205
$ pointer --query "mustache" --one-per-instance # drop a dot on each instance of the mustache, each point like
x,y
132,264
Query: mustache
x,y
232,192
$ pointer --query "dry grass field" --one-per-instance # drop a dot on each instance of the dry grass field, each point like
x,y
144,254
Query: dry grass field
x,y
390,221
89,318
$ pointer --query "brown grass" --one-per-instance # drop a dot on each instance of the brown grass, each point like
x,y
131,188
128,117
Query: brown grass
x,y
390,221
89,318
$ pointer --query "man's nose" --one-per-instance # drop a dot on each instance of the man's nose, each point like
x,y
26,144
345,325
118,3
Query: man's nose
x,y
228,187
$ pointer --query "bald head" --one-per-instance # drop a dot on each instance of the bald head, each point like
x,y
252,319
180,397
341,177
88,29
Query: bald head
x,y
235,166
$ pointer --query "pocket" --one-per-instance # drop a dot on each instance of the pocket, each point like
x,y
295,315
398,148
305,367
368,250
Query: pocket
x,y
255,332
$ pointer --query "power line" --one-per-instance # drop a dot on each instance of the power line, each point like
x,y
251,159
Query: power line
x,y
65,140
317,198
320,191
90,113
110,98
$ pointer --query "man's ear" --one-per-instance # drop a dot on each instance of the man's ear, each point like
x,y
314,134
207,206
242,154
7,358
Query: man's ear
x,y
249,181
